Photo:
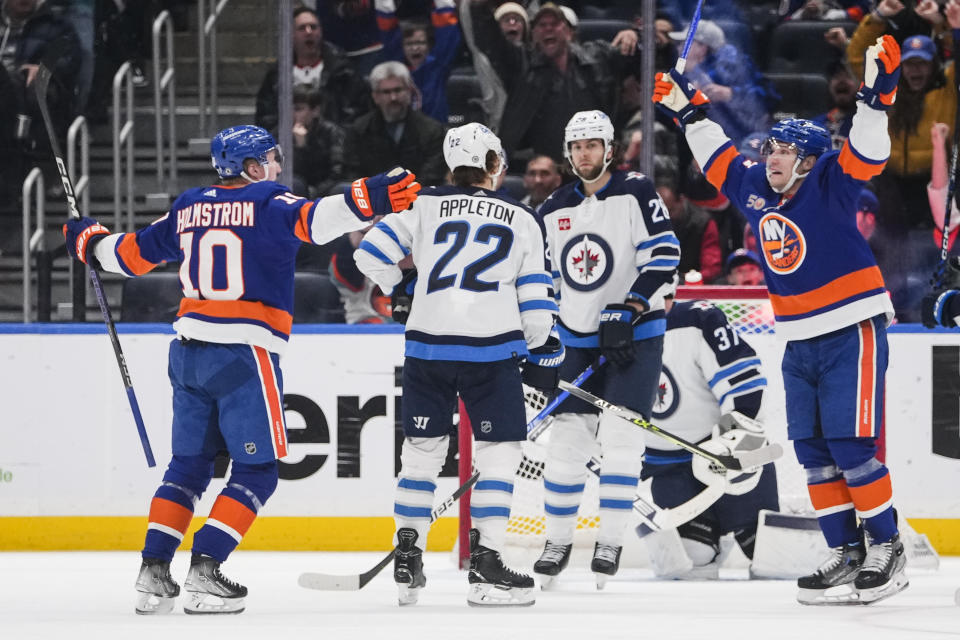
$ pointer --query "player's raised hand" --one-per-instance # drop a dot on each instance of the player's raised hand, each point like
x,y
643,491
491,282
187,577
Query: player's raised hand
x,y
881,72
82,234
381,194
936,308
676,96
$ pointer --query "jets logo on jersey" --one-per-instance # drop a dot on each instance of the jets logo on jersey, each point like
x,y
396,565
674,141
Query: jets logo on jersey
x,y
668,395
586,262
784,246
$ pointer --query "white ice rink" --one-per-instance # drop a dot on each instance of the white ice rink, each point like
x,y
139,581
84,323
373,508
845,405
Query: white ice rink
x,y
90,595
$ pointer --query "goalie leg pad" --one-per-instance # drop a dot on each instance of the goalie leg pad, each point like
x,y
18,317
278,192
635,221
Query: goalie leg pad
x,y
421,460
668,557
572,440
621,446
492,496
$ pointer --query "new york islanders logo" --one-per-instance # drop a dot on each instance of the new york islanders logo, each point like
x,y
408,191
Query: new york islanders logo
x,y
782,242
587,262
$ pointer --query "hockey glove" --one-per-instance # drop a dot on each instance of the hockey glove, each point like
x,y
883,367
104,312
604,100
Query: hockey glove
x,y
382,194
541,369
82,236
676,97
402,297
616,333
881,74
940,308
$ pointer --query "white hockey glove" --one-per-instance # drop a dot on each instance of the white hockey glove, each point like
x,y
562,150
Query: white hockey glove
x,y
734,432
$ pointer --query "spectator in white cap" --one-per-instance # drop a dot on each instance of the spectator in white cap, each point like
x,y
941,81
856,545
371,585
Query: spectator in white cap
x,y
513,21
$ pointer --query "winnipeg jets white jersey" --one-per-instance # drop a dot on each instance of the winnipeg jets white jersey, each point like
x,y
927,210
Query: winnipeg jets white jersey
x,y
708,370
606,248
483,292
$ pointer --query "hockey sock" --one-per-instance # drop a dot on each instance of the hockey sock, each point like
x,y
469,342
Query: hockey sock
x,y
171,509
247,490
492,496
420,462
872,494
621,445
571,442
833,504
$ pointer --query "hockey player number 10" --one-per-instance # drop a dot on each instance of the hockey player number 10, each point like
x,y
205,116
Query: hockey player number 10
x,y
232,270
469,279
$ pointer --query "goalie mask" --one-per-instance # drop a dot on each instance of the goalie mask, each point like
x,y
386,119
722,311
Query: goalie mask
x,y
467,146
589,125
730,435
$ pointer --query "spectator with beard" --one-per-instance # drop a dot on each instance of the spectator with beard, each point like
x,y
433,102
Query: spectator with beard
x,y
319,64
927,94
541,178
394,134
843,95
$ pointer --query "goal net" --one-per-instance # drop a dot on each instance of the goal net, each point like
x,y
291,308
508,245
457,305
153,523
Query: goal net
x,y
748,311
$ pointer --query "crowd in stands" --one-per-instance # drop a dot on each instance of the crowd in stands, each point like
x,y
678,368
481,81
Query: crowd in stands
x,y
377,82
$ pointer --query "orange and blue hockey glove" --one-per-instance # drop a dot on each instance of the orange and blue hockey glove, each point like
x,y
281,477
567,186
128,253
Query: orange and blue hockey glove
x,y
676,97
382,194
82,235
881,73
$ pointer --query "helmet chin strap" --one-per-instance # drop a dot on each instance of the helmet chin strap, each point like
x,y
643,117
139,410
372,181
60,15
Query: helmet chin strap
x,y
794,176
607,159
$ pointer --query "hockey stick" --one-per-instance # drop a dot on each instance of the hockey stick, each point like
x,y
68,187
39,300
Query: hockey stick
x,y
937,280
355,582
691,30
40,83
735,462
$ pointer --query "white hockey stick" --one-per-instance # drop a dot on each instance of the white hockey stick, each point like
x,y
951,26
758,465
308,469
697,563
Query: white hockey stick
x,y
355,582
738,461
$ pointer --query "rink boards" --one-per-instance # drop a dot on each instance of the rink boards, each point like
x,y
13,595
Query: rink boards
x,y
73,475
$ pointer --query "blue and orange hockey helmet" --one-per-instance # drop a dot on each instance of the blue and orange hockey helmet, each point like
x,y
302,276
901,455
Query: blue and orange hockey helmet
x,y
234,145
806,136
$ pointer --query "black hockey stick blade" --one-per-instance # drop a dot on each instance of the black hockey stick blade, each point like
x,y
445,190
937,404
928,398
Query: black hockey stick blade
x,y
737,462
355,582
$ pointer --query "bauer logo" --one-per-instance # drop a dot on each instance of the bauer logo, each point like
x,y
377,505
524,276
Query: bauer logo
x,y
783,244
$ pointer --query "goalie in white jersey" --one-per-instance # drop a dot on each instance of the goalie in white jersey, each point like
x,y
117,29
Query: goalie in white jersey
x,y
482,302
708,370
614,257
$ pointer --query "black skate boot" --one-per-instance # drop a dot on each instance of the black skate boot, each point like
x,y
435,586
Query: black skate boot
x,y
605,563
841,568
156,589
492,583
553,560
408,566
210,591
882,574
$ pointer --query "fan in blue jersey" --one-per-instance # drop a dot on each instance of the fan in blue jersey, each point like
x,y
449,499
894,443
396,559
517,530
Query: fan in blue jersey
x,y
831,306
481,300
614,257
709,372
236,242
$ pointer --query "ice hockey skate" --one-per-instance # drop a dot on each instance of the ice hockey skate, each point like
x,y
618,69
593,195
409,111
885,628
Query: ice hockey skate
x,y
408,567
605,563
553,560
882,574
210,591
492,584
156,588
832,582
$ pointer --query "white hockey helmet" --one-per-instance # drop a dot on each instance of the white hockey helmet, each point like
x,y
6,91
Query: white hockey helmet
x,y
730,436
589,125
467,146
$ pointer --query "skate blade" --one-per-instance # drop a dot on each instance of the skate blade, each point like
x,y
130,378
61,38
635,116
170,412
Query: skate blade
x,y
896,584
150,604
208,604
488,595
838,595
407,595
602,579
548,583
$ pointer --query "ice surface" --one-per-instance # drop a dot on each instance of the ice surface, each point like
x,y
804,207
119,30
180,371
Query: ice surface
x,y
90,595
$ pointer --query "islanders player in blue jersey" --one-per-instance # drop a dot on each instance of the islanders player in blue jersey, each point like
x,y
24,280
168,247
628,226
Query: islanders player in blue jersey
x,y
236,242
830,305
